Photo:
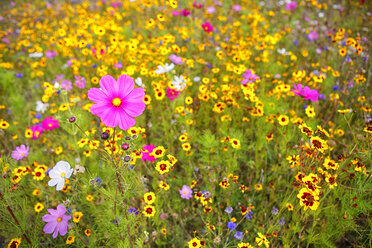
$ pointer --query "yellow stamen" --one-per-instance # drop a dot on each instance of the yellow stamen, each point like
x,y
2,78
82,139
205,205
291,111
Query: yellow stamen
x,y
116,102
63,174
59,219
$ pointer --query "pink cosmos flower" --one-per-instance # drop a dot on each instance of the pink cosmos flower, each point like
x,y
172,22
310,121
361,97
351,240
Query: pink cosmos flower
x,y
313,36
57,221
66,85
186,192
185,12
147,150
20,152
175,59
50,54
36,131
172,94
237,8
49,123
211,10
175,13
306,92
207,27
249,77
117,102
291,6
80,82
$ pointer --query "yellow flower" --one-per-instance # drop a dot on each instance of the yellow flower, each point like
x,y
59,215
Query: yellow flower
x,y
88,232
39,174
28,133
38,207
70,239
149,211
4,124
235,143
289,206
186,146
344,111
283,120
149,197
308,199
58,150
258,187
244,245
163,166
163,185
310,112
261,239
194,243
77,216
14,243
89,197
158,152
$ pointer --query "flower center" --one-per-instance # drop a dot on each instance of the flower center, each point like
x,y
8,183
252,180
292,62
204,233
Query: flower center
x,y
63,174
116,102
59,219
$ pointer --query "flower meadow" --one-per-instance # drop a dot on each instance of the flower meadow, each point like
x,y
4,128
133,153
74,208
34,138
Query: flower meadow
x,y
185,123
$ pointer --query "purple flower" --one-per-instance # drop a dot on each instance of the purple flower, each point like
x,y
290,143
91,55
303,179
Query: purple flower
x,y
229,210
237,8
50,54
306,92
249,76
275,211
211,10
281,221
175,59
291,6
186,192
238,235
231,225
80,82
66,85
20,152
312,36
57,221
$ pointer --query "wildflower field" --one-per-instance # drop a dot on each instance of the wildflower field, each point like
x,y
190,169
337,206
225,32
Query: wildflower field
x,y
164,123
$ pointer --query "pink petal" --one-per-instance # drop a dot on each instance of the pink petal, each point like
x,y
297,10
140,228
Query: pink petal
x,y
124,86
98,109
63,228
134,109
61,209
97,95
49,218
110,116
135,95
125,121
107,84
50,226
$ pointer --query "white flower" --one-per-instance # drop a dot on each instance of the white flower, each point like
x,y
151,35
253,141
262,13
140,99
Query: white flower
x,y
58,174
178,83
166,68
41,107
36,55
138,81
79,169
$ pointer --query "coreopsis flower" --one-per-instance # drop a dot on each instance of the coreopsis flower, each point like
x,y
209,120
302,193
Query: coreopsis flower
x,y
38,207
261,239
61,171
308,199
186,192
244,245
117,102
149,197
306,92
20,152
149,211
70,239
14,243
163,166
283,120
49,123
57,221
77,216
194,243
319,144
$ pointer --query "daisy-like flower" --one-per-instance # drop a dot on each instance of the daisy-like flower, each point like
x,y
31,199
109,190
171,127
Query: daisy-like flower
x,y
149,197
41,107
163,69
178,83
117,102
59,173
57,221
186,192
20,152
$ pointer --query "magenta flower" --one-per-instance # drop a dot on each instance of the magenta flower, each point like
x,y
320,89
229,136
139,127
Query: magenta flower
x,y
50,54
175,59
291,6
66,85
185,12
237,8
20,152
147,150
207,27
172,94
117,102
306,92
186,192
249,77
80,82
37,130
49,123
57,221
313,36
